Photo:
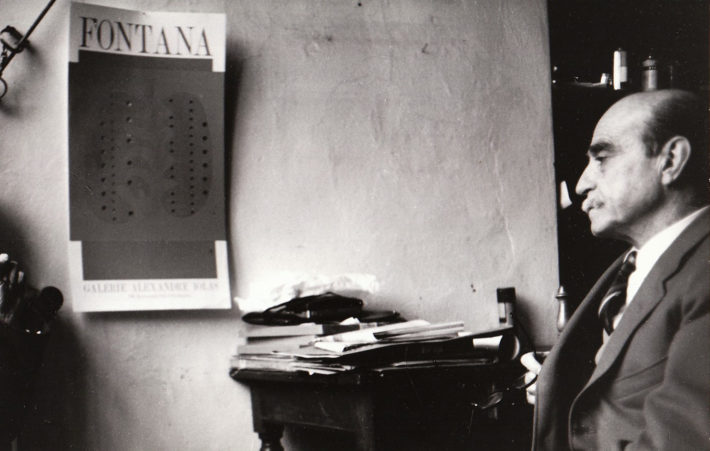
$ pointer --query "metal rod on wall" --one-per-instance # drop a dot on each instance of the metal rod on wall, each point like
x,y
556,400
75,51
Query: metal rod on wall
x,y
9,49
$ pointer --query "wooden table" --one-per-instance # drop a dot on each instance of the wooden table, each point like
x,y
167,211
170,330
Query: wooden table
x,y
426,408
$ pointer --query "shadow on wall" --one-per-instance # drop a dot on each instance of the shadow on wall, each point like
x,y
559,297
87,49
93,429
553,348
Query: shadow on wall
x,y
57,413
12,240
9,106
60,375
232,88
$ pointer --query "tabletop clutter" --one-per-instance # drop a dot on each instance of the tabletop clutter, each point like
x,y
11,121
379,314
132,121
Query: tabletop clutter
x,y
330,333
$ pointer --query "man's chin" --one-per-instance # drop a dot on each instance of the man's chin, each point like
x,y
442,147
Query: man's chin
x,y
599,229
599,233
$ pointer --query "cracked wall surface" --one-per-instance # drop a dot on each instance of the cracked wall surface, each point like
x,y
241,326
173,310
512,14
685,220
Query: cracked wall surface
x,y
413,143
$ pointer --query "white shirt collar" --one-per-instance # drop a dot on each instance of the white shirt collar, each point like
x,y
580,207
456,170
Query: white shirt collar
x,y
650,252
646,257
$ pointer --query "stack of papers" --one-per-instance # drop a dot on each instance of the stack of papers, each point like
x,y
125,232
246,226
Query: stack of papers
x,y
405,344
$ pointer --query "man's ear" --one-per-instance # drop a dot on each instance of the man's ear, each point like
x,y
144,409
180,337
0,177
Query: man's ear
x,y
674,157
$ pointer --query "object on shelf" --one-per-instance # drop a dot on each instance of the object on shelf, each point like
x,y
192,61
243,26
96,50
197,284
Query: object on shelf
x,y
621,70
649,73
605,79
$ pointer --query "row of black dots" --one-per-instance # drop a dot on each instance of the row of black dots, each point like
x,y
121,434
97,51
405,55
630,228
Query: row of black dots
x,y
114,135
190,168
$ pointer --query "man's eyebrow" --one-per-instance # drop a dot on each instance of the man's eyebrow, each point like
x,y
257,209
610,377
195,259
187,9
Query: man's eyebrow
x,y
596,148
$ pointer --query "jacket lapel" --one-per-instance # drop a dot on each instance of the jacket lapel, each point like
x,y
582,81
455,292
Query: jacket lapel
x,y
651,292
563,373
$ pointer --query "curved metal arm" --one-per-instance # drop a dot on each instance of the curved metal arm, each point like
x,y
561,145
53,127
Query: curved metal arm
x,y
9,51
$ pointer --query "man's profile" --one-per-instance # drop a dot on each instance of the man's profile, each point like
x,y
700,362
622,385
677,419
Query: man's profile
x,y
631,370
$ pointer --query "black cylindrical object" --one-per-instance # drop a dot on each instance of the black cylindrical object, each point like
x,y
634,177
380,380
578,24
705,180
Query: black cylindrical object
x,y
506,305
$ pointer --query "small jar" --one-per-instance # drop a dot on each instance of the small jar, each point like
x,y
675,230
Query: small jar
x,y
649,74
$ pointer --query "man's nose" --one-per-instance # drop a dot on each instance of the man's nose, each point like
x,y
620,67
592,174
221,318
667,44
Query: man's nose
x,y
584,185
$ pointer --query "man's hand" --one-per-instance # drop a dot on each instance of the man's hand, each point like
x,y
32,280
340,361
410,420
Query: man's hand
x,y
530,361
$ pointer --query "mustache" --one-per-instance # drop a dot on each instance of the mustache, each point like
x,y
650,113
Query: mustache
x,y
588,204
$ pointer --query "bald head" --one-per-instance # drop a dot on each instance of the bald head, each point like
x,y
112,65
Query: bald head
x,y
661,115
647,165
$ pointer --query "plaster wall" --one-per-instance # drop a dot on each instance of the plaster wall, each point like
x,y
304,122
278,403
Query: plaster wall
x,y
408,139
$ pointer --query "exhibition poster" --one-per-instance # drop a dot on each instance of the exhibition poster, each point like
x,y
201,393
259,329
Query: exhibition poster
x,y
146,160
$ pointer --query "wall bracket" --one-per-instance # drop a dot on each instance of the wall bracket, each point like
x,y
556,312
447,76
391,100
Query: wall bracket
x,y
14,42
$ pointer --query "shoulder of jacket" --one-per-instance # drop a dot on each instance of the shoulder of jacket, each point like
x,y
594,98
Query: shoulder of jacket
x,y
691,280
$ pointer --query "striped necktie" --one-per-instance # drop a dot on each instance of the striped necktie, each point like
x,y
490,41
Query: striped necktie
x,y
616,295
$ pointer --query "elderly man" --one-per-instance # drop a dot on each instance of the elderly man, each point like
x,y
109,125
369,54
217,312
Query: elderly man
x,y
631,370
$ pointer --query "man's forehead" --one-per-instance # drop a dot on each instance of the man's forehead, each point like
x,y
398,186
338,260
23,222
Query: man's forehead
x,y
625,119
635,109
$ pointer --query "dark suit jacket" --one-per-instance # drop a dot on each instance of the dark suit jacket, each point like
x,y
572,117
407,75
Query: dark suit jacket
x,y
651,388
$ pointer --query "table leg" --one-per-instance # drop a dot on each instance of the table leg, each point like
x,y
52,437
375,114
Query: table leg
x,y
270,435
365,441
365,436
